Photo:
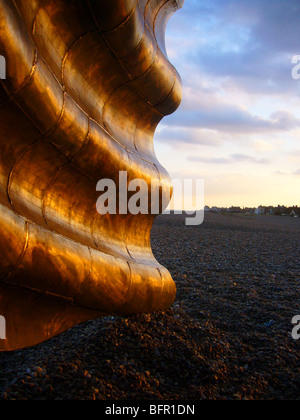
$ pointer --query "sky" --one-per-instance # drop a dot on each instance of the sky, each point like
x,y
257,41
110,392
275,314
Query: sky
x,y
238,126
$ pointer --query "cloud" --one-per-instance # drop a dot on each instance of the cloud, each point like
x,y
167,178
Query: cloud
x,y
234,119
231,53
281,173
248,43
234,158
235,59
186,135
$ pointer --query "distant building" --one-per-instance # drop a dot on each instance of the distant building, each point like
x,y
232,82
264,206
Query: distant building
x,y
260,210
249,211
234,209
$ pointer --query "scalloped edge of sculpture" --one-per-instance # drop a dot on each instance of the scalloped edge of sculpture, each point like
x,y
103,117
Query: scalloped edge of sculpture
x,y
79,104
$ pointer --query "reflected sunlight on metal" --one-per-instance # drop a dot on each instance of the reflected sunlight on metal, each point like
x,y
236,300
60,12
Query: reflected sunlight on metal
x,y
86,84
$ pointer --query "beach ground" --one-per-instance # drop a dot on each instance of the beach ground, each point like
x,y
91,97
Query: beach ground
x,y
228,335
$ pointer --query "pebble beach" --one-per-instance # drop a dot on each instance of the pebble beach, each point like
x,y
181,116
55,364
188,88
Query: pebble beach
x,y
227,336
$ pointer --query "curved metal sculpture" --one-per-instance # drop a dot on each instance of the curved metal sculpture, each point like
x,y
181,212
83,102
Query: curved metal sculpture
x,y
87,83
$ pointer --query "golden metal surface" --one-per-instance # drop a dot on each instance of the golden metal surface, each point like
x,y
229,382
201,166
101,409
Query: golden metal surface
x,y
87,83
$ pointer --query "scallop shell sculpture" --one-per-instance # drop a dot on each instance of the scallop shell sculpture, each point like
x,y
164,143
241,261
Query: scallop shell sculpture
x,y
87,82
